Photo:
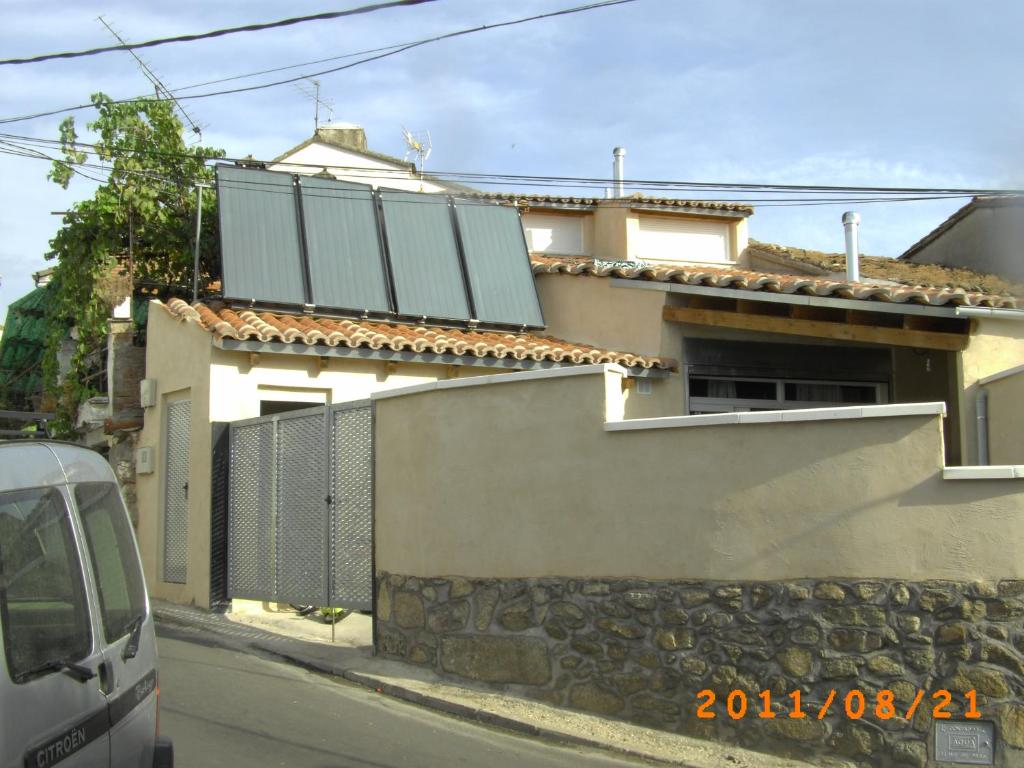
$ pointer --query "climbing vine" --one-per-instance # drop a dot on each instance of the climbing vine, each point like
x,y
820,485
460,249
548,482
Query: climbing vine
x,y
134,236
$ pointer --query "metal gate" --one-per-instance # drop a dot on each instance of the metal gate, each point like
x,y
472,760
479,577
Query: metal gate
x,y
175,533
300,507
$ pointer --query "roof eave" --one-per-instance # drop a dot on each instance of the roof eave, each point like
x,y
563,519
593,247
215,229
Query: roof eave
x,y
791,298
406,356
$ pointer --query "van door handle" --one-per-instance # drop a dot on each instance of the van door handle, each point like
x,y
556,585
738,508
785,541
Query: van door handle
x,y
106,670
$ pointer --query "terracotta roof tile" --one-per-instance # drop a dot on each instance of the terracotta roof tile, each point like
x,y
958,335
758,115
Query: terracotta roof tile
x,y
224,322
746,280
637,199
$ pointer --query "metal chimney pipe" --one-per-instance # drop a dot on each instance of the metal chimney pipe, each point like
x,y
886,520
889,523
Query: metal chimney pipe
x,y
851,220
617,170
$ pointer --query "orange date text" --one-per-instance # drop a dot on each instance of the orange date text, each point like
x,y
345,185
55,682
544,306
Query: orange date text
x,y
853,705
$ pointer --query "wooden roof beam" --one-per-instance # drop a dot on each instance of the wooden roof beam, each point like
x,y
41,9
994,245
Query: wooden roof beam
x,y
898,337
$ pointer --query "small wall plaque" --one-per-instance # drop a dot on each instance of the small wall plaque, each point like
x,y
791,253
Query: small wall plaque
x,y
965,743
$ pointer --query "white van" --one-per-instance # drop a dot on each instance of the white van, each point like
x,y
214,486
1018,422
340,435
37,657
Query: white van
x,y
78,676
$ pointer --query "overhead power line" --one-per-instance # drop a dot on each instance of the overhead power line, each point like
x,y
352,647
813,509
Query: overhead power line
x,y
215,33
573,181
387,52
800,195
620,202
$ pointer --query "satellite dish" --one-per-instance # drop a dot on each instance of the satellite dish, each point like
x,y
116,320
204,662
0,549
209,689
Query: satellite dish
x,y
419,145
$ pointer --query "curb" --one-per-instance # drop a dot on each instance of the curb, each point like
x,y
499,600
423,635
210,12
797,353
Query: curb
x,y
277,646
402,693
463,711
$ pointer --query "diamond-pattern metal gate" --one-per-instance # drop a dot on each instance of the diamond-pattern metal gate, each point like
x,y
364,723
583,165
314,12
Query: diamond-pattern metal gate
x,y
300,507
175,534
352,492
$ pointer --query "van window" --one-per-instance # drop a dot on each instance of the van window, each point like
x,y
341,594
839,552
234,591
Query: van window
x,y
112,552
42,594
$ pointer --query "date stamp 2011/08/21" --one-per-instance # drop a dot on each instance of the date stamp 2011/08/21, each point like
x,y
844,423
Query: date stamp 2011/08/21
x,y
854,705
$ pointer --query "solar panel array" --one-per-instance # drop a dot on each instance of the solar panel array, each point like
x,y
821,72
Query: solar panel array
x,y
333,246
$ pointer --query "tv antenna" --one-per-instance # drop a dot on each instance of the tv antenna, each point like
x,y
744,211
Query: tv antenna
x,y
418,144
161,90
313,94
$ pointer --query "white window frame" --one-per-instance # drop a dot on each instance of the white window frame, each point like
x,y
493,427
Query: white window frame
x,y
698,405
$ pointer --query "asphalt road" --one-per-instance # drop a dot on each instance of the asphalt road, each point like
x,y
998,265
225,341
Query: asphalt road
x,y
226,707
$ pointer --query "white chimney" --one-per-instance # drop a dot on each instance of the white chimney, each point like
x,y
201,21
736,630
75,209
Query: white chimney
x,y
617,170
851,220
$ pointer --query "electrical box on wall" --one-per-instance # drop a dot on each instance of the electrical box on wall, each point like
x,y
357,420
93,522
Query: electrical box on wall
x,y
147,393
144,461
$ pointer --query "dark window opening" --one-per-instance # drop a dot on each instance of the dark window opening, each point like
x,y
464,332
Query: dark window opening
x,y
270,407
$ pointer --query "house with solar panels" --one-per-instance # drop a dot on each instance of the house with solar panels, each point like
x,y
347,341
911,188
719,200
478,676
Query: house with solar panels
x,y
346,275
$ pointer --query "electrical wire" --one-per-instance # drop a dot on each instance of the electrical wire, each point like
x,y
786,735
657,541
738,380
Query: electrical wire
x,y
587,182
263,187
215,33
287,67
401,49
36,155
862,195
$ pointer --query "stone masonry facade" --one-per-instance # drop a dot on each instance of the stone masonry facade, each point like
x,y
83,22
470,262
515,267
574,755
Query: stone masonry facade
x,y
645,650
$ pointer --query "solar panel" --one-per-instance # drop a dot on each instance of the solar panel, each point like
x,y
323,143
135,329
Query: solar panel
x,y
498,264
324,245
261,253
345,262
424,256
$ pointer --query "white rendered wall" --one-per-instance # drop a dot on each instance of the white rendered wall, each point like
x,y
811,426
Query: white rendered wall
x,y
352,166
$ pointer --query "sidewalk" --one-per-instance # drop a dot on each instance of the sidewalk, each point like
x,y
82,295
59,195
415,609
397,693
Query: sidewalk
x,y
306,642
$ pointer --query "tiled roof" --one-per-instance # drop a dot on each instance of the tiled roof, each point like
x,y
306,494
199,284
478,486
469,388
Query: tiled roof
x,y
224,322
883,268
636,199
746,280
1007,201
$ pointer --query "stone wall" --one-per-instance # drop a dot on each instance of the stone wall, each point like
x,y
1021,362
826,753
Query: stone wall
x,y
643,650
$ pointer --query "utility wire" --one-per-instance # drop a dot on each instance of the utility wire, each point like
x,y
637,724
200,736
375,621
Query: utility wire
x,y
215,33
262,187
287,67
37,155
388,52
577,181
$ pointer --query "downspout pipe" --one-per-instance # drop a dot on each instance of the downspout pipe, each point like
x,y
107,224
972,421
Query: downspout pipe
x,y
851,220
618,170
981,414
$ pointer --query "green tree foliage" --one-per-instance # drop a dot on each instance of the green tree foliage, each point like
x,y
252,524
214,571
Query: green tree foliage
x,y
135,233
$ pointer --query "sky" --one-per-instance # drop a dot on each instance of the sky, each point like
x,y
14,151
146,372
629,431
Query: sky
x,y
915,93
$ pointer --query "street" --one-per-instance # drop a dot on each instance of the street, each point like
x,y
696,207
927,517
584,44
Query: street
x,y
226,708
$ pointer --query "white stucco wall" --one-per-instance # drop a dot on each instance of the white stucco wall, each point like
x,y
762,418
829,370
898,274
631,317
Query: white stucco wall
x,y
352,166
